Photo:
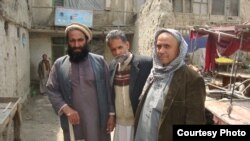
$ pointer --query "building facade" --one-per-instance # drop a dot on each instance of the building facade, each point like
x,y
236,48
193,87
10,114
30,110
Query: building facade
x,y
183,14
49,19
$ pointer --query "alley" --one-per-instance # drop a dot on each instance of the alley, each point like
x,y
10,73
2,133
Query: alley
x,y
39,122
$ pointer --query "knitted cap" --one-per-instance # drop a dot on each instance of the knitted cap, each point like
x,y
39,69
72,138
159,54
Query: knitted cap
x,y
80,27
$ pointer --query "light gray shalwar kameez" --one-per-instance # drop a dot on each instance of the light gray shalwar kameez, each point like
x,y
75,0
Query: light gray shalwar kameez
x,y
147,129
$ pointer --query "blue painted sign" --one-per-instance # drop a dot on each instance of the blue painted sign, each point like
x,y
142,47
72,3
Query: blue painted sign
x,y
65,16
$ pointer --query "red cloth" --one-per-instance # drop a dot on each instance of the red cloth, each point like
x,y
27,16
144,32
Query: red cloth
x,y
225,46
211,54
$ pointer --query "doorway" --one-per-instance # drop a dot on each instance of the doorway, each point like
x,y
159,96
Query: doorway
x,y
59,47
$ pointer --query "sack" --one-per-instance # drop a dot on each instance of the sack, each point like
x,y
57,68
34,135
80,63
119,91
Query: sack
x,y
71,133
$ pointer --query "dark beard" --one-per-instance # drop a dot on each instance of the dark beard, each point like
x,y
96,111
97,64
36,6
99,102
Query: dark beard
x,y
77,57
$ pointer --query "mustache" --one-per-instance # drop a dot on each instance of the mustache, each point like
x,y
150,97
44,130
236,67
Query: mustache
x,y
121,58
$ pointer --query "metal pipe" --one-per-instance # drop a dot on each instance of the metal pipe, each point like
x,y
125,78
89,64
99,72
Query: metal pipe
x,y
220,33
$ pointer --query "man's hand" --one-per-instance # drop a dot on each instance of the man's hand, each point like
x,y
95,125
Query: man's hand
x,y
110,124
72,115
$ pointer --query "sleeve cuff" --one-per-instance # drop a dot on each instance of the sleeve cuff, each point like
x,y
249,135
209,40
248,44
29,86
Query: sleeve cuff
x,y
112,114
60,112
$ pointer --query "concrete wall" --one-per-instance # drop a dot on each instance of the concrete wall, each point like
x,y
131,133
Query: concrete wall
x,y
119,13
122,12
138,4
14,49
42,12
149,19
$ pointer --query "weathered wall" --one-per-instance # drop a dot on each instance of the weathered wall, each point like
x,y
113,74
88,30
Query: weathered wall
x,y
16,11
244,9
14,49
159,13
119,13
150,18
42,12
138,4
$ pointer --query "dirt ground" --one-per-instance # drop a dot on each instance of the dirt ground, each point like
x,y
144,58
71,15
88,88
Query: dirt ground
x,y
39,121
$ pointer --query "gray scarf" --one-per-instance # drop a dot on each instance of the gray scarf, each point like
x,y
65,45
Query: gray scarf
x,y
160,72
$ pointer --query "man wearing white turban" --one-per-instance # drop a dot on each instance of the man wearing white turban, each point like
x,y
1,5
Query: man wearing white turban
x,y
79,89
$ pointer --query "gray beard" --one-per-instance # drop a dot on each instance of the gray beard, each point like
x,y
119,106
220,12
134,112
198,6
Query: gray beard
x,y
121,58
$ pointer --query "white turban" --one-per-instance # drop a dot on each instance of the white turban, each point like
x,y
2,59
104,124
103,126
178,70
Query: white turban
x,y
80,27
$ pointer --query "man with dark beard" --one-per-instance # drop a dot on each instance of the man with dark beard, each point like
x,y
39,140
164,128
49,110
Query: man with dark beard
x,y
79,89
